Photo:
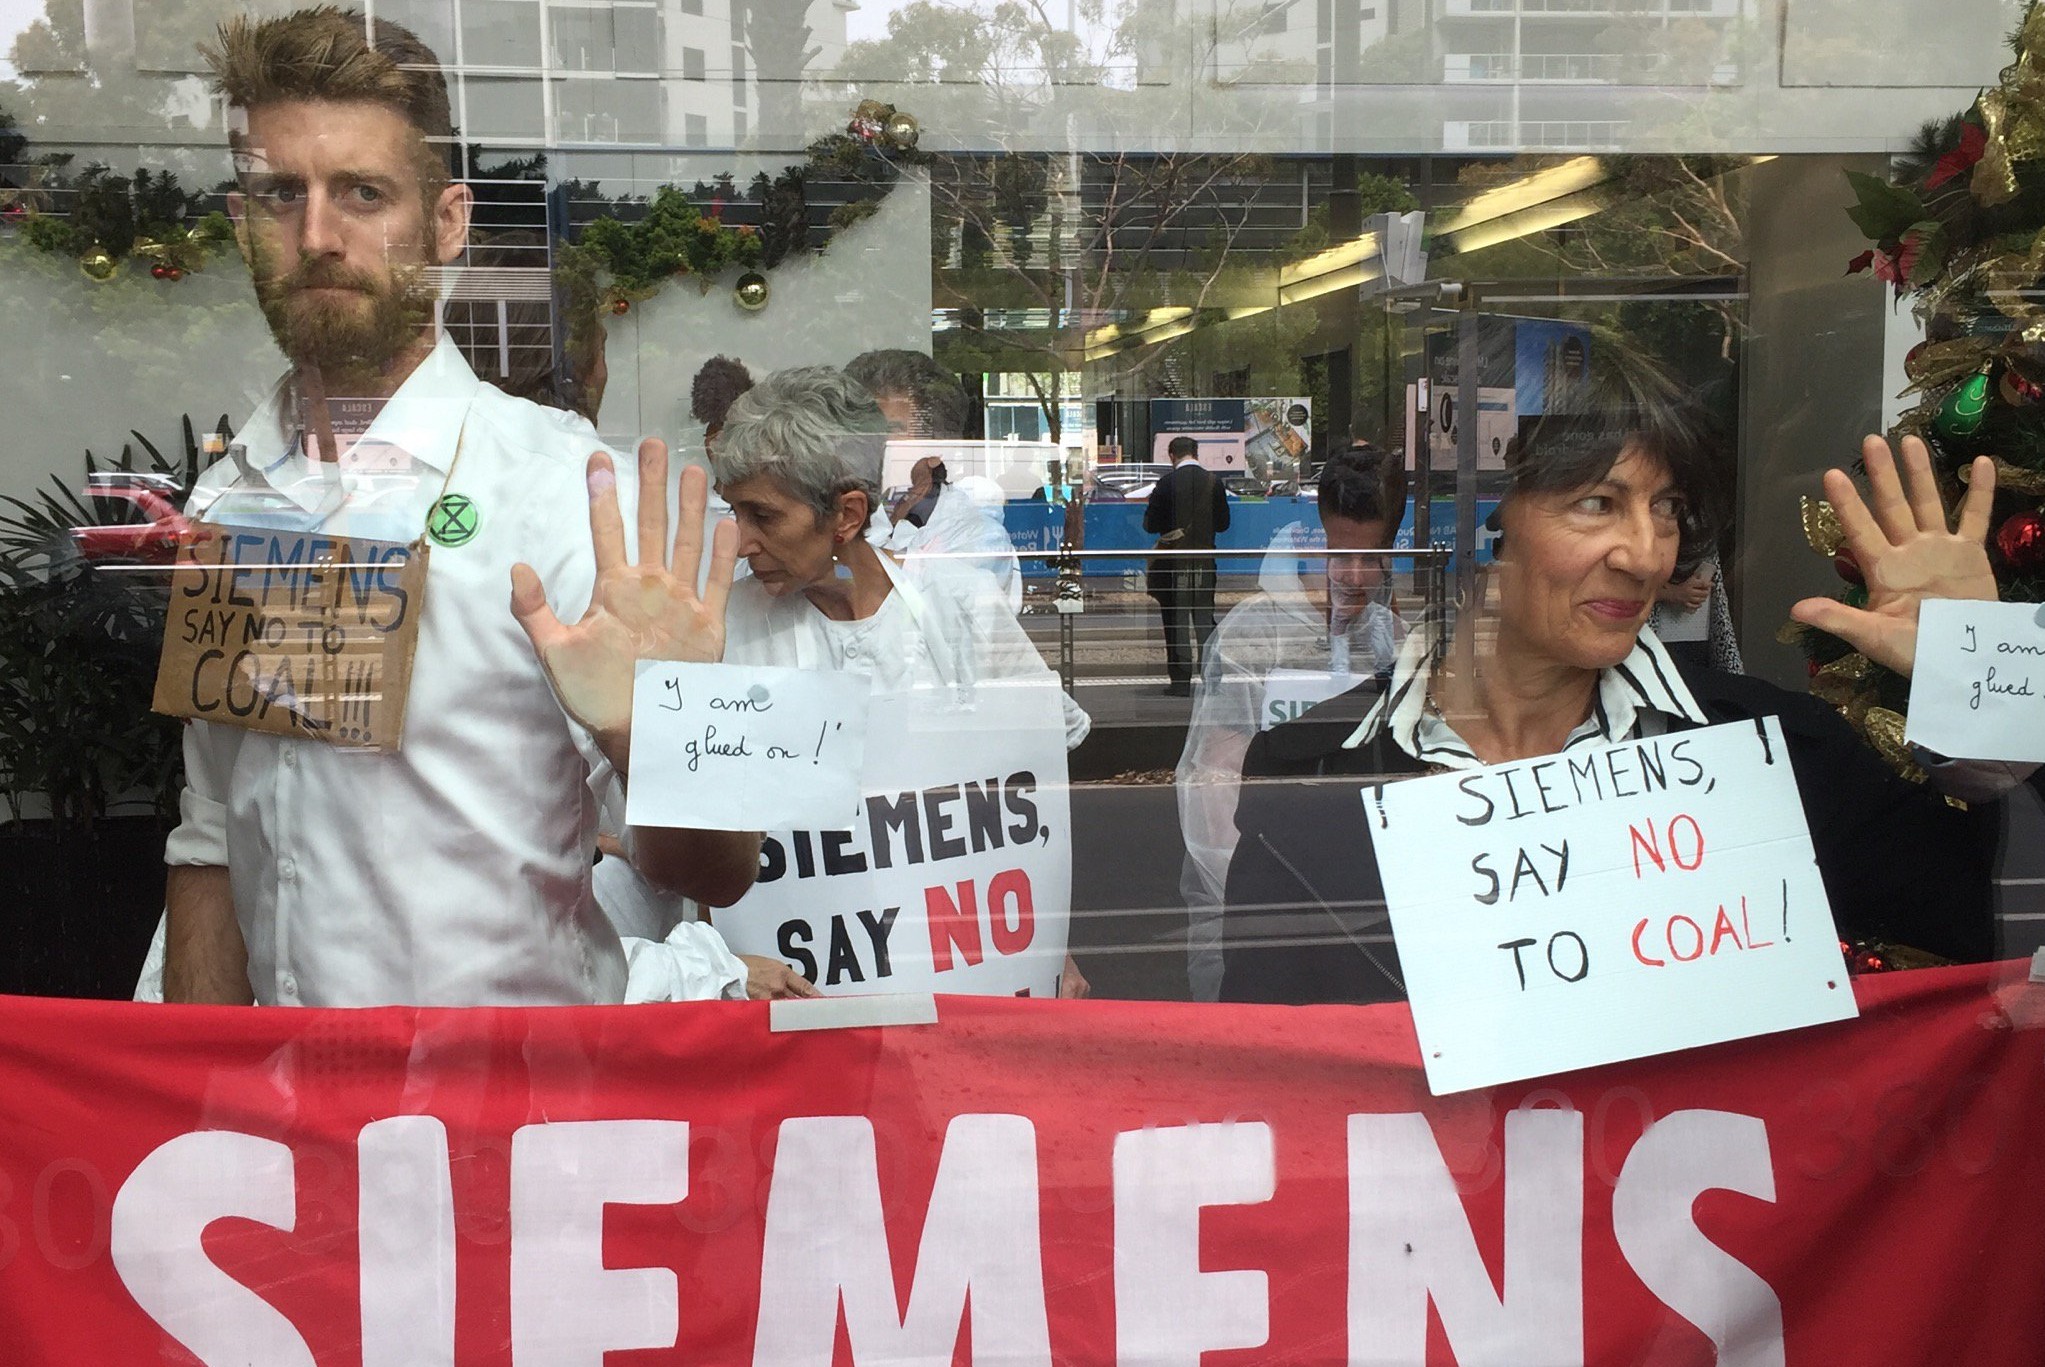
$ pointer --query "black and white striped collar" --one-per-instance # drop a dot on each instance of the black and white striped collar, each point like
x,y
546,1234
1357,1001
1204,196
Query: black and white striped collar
x,y
1639,695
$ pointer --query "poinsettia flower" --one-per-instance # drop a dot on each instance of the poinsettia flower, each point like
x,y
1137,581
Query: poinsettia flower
x,y
1889,268
1861,262
1973,142
1906,257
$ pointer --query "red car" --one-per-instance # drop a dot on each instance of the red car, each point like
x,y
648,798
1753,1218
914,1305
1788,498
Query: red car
x,y
155,542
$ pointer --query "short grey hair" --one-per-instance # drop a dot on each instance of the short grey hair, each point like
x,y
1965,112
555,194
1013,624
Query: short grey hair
x,y
814,429
939,399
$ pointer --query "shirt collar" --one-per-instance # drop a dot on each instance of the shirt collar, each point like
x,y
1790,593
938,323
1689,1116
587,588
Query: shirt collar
x,y
1644,690
423,419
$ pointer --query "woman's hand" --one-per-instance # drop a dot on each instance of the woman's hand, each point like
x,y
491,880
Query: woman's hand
x,y
1690,594
770,980
1905,551
644,611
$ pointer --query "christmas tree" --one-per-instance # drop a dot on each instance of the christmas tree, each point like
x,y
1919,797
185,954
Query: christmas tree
x,y
1960,230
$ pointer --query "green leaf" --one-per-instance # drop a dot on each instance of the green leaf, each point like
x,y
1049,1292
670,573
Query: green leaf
x,y
1931,251
1885,211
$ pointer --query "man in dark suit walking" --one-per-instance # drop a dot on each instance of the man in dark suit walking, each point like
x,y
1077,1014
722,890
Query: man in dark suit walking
x,y
1186,509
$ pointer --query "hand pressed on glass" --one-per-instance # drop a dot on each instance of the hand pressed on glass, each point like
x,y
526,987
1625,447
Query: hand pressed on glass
x,y
1900,537
650,610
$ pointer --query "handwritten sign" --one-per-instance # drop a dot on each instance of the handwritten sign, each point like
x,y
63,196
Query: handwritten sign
x,y
1977,689
956,876
1606,904
744,747
293,633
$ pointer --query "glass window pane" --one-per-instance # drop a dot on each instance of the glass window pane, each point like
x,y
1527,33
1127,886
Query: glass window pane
x,y
501,32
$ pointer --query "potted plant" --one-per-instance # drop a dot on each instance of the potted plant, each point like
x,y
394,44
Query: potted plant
x,y
90,775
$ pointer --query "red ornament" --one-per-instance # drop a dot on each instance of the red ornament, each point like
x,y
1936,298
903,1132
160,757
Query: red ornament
x,y
176,274
1847,566
621,306
160,271
2021,540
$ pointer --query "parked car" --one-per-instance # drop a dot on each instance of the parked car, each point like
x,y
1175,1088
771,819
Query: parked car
x,y
152,542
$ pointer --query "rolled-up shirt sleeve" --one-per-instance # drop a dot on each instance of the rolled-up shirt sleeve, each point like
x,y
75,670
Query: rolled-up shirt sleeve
x,y
201,833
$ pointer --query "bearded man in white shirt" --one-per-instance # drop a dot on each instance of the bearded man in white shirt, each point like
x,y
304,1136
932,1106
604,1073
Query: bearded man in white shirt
x,y
455,868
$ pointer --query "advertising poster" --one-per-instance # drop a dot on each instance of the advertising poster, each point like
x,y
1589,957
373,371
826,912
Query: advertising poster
x,y
1263,437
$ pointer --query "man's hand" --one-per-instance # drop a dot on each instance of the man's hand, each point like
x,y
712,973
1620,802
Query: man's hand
x,y
1072,984
769,980
644,611
1905,551
1688,594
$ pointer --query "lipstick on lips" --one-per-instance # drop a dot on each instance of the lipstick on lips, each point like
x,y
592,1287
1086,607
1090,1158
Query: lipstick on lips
x,y
1617,609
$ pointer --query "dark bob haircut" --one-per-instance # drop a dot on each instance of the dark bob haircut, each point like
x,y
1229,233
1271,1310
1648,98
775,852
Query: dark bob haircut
x,y
1364,484
1576,445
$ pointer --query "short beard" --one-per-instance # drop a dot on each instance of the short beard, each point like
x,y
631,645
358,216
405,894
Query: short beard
x,y
333,336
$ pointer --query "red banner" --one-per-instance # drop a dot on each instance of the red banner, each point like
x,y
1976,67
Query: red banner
x,y
1019,1183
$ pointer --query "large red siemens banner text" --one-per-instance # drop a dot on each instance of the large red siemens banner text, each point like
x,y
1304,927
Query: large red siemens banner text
x,y
1021,1183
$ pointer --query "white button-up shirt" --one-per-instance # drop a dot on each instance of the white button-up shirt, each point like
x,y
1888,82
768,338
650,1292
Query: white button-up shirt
x,y
455,870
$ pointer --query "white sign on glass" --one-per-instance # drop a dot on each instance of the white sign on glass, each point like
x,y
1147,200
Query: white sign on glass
x,y
1606,904
956,875
1977,688
744,747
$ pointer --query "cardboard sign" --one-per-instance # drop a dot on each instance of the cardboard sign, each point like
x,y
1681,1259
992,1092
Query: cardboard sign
x,y
957,875
293,633
1606,904
1288,693
1977,690
744,747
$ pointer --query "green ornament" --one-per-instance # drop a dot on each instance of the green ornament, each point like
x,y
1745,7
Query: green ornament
x,y
1961,413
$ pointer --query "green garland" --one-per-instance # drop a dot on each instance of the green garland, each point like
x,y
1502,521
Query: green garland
x,y
147,217
614,264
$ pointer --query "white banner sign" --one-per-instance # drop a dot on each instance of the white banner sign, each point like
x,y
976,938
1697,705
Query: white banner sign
x,y
1606,904
744,747
957,875
1977,689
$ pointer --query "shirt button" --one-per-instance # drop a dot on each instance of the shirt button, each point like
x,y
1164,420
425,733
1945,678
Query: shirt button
x,y
852,650
287,870
287,988
290,757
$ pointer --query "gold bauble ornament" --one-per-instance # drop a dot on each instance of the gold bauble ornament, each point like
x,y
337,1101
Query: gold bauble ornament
x,y
750,293
98,264
902,130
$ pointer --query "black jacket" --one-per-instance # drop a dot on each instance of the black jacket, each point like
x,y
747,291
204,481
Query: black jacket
x,y
1190,500
1305,909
